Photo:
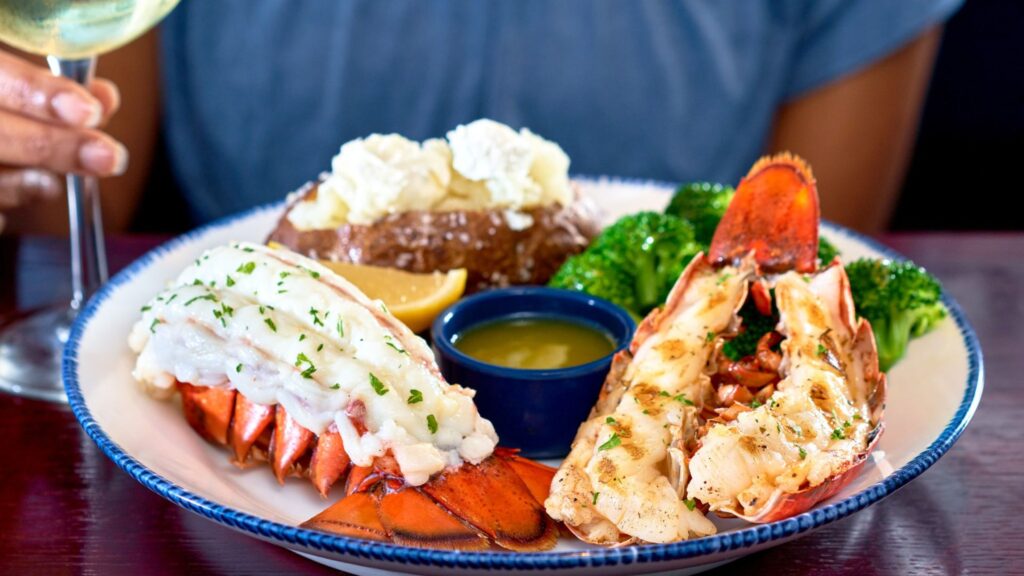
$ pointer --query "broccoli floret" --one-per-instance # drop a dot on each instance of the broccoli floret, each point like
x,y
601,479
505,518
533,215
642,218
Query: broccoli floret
x,y
754,325
827,251
900,299
597,276
702,204
652,249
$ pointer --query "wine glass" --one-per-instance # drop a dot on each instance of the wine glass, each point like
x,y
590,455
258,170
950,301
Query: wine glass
x,y
70,33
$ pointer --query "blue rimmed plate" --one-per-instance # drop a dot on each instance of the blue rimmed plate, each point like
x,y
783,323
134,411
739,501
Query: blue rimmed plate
x,y
932,395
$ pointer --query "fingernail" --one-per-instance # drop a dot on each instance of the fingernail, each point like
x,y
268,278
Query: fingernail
x,y
43,183
104,158
77,110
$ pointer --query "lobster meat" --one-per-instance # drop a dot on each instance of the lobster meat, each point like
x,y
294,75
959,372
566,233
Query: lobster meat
x,y
680,430
283,362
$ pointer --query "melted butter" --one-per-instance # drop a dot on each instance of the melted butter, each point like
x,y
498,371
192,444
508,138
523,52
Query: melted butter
x,y
534,343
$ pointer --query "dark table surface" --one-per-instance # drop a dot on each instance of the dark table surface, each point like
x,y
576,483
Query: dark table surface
x,y
65,508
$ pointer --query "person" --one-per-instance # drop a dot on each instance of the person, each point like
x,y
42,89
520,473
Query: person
x,y
257,97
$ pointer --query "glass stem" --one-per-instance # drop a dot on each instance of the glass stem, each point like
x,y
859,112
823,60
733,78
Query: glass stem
x,y
88,255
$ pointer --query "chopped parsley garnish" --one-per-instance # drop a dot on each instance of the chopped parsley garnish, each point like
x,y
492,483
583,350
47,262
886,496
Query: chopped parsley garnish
x,y
238,368
710,337
846,424
664,393
415,397
197,282
691,504
270,323
146,308
596,494
388,340
173,296
152,327
755,404
341,329
209,297
822,350
302,337
335,386
803,453
857,417
246,268
432,423
247,249
378,386
609,420
310,368
723,278
262,310
316,316
230,281
682,399
838,434
320,347
312,273
611,443
384,308
284,275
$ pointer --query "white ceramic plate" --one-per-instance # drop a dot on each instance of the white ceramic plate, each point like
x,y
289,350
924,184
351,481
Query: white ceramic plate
x,y
932,395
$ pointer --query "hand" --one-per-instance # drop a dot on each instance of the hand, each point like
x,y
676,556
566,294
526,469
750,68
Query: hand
x,y
48,126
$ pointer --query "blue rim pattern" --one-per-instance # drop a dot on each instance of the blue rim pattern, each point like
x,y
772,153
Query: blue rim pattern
x,y
651,553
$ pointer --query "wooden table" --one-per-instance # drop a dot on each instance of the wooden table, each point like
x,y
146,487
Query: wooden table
x,y
64,508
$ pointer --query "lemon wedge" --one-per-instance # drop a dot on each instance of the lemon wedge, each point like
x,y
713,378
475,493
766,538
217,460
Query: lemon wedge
x,y
415,299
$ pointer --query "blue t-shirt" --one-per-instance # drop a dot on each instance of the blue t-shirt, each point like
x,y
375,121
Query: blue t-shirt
x,y
259,95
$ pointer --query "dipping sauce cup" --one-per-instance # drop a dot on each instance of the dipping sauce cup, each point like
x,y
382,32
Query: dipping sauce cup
x,y
537,411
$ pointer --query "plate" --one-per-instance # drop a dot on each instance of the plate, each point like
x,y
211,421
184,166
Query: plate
x,y
933,393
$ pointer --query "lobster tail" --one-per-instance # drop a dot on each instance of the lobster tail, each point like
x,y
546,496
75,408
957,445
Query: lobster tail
x,y
465,508
774,214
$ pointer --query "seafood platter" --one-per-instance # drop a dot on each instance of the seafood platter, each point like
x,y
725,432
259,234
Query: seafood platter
x,y
450,356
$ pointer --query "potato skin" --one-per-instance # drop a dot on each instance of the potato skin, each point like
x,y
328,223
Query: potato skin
x,y
482,242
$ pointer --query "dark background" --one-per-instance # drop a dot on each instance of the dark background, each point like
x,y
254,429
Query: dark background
x,y
970,148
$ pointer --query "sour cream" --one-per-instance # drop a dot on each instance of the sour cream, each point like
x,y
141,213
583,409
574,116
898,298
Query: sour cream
x,y
282,329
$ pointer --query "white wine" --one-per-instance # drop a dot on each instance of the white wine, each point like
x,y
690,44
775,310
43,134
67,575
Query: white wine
x,y
73,29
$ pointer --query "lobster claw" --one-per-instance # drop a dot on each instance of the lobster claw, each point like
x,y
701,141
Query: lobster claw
x,y
774,214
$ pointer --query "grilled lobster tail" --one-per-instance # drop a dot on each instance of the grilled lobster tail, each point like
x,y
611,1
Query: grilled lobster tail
x,y
681,429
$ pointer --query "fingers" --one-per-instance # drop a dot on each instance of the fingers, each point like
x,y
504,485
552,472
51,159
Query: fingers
x,y
109,96
35,92
29,143
21,186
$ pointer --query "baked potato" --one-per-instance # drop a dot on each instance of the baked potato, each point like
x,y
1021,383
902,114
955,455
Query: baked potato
x,y
494,246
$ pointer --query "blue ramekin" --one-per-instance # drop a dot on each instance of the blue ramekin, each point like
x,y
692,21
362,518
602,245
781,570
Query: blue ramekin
x,y
537,411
